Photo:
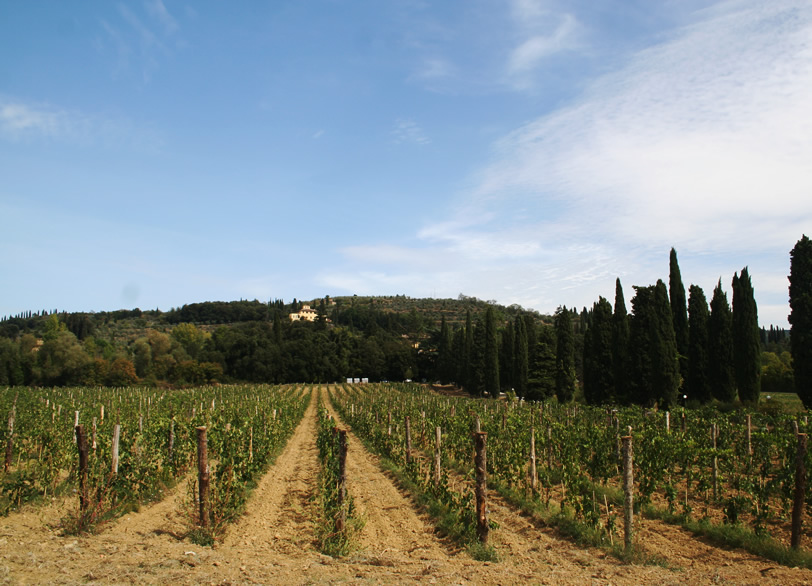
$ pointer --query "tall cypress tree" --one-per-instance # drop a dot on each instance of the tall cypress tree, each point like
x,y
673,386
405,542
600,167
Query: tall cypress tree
x,y
564,356
458,352
477,382
800,318
666,374
697,384
720,347
598,358
679,312
641,329
444,365
746,348
541,368
507,357
467,355
620,346
653,348
491,357
522,357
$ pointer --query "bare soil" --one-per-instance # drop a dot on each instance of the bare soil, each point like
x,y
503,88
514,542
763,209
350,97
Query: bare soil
x,y
273,543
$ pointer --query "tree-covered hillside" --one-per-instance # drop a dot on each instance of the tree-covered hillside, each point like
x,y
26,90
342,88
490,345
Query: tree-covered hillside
x,y
664,351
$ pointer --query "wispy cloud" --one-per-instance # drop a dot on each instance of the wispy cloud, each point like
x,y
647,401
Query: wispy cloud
x,y
145,36
433,68
680,146
19,120
28,121
542,33
702,142
408,131
533,49
158,11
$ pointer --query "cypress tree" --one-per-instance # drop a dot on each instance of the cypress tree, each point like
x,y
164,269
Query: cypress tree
x,y
541,375
678,312
522,357
620,346
598,358
491,358
444,354
564,356
666,374
507,357
641,328
800,318
653,348
532,336
477,374
467,354
697,384
458,353
720,347
746,348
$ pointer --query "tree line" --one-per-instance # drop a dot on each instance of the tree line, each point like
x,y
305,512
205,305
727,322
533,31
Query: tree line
x,y
670,348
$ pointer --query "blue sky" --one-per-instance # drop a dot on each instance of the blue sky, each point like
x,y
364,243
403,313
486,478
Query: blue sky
x,y
155,153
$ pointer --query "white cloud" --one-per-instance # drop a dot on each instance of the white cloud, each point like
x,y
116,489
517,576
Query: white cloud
x,y
702,142
145,37
158,11
693,139
542,33
433,68
407,131
537,47
17,120
26,121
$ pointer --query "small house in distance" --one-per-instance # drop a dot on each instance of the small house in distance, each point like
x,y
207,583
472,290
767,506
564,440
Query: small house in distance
x,y
305,313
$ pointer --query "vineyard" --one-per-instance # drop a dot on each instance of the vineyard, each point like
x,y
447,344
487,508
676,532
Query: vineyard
x,y
384,482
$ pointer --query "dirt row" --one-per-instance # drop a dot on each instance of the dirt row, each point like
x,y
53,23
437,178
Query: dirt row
x,y
273,543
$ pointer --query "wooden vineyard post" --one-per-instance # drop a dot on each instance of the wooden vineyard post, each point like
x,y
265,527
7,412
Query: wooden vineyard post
x,y
203,476
800,492
341,522
389,423
749,436
480,465
628,492
408,423
549,447
534,478
437,455
667,422
477,424
10,439
81,443
715,471
114,455
171,439
75,424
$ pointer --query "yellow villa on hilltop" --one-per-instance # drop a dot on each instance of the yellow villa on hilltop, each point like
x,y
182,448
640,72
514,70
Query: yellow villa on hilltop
x,y
305,313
